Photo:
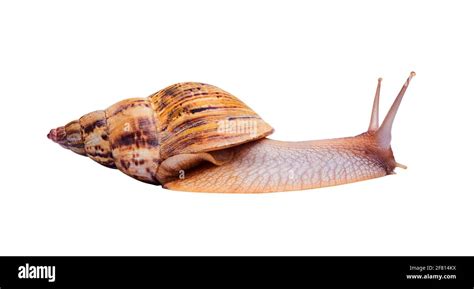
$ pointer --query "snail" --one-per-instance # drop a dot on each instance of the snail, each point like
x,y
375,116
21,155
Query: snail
x,y
197,137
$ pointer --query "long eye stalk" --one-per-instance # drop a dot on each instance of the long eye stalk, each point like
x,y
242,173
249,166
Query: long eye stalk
x,y
384,133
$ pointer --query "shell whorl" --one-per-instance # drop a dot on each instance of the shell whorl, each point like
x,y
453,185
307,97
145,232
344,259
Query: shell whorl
x,y
197,117
133,137
96,138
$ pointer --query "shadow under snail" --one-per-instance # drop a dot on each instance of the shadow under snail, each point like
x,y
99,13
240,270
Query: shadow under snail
x,y
197,137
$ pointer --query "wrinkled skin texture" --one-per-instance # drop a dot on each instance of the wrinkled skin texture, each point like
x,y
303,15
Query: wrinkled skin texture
x,y
271,166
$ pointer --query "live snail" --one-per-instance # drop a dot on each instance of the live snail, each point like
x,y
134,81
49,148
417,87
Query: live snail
x,y
197,137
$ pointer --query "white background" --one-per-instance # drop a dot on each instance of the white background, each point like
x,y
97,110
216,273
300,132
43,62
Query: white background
x,y
309,68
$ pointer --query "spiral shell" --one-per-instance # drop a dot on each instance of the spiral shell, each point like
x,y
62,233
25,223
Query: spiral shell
x,y
136,135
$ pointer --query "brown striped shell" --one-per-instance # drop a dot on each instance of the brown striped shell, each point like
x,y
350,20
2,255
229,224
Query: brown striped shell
x,y
136,135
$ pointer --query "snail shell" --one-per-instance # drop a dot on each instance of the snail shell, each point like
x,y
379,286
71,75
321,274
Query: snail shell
x,y
136,135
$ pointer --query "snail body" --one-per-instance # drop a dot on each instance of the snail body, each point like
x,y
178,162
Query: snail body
x,y
197,137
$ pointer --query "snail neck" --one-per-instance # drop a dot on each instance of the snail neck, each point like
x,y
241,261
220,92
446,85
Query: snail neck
x,y
269,165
